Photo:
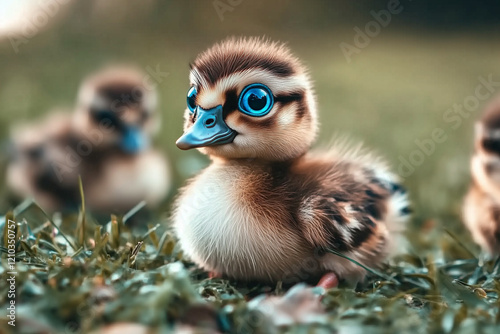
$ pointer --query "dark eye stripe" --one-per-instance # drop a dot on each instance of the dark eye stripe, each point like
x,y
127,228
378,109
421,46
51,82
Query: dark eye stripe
x,y
297,97
108,116
191,98
491,145
231,104
289,98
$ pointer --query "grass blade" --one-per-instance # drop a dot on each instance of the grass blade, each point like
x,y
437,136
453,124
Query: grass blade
x,y
370,270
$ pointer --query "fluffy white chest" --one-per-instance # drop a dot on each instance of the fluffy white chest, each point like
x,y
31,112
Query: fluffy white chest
x,y
221,230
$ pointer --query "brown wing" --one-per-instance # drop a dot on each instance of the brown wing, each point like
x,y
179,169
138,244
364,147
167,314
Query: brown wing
x,y
342,209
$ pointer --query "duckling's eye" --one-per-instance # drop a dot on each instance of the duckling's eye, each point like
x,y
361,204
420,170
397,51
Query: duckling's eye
x,y
108,116
191,98
256,100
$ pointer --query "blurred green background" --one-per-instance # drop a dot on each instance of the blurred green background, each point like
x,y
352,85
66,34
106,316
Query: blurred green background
x,y
392,92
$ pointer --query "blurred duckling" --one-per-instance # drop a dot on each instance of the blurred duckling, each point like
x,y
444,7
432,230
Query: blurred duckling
x,y
482,204
106,141
34,148
267,209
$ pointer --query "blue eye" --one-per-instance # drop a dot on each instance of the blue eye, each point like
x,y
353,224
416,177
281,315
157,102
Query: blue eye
x,y
191,98
256,100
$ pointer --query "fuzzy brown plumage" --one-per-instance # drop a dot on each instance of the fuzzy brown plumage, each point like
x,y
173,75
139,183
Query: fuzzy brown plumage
x,y
266,207
50,155
482,204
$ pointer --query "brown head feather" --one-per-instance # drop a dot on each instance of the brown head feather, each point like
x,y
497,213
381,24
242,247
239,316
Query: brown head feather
x,y
237,55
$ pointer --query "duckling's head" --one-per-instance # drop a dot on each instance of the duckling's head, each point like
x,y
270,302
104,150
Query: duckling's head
x,y
249,98
488,130
27,158
117,104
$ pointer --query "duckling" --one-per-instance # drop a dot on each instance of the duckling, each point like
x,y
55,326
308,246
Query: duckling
x,y
31,156
116,108
267,209
105,141
481,211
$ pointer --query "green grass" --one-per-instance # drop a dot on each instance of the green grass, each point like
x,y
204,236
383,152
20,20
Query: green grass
x,y
74,276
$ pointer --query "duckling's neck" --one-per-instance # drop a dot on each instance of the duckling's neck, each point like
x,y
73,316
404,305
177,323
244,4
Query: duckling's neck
x,y
256,162
277,169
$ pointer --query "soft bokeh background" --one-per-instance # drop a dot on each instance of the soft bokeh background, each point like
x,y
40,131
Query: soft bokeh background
x,y
393,92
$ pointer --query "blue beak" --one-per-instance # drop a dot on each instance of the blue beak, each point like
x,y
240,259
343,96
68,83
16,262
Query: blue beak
x,y
209,129
133,140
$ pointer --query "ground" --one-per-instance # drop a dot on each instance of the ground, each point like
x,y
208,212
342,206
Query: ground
x,y
74,276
